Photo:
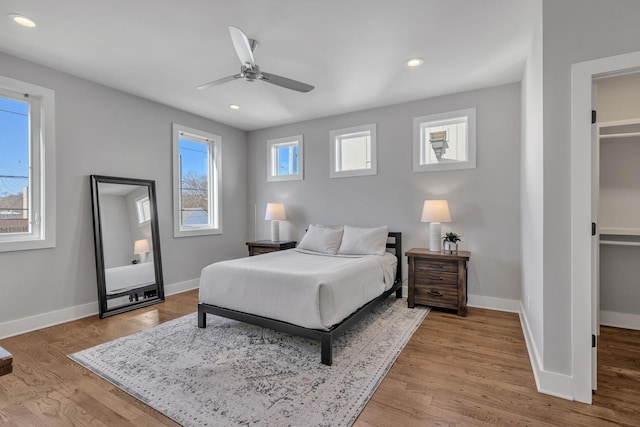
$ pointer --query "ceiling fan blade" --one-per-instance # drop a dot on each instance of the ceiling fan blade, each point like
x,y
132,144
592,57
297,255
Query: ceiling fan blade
x,y
220,81
285,82
242,46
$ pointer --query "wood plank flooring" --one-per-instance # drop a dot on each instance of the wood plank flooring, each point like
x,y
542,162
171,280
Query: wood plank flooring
x,y
455,371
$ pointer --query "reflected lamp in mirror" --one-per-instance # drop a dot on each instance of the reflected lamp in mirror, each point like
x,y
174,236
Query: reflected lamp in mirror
x,y
435,212
141,248
275,213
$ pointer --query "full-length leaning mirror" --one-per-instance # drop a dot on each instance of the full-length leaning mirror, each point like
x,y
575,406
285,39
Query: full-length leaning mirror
x,y
127,243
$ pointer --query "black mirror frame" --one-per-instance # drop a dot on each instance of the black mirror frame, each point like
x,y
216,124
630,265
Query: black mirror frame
x,y
99,250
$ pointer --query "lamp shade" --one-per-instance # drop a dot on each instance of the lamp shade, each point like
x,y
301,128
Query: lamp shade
x,y
275,211
141,247
436,211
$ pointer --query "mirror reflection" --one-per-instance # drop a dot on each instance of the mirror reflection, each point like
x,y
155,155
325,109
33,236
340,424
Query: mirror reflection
x,y
127,246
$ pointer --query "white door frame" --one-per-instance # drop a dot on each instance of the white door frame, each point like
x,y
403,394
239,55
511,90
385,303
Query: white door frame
x,y
582,285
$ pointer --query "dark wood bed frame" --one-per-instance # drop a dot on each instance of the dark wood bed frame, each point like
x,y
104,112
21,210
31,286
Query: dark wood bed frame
x,y
325,337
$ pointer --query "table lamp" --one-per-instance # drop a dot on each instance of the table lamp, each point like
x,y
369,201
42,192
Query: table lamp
x,y
275,213
141,247
435,212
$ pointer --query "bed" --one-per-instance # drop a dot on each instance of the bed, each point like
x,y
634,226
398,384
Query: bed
x,y
130,280
306,293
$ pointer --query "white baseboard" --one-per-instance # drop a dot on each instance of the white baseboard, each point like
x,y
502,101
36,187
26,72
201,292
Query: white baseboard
x,y
547,382
44,320
620,320
493,303
177,288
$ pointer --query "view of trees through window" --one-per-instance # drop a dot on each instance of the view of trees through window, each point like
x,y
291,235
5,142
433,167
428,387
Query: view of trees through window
x,y
14,166
194,182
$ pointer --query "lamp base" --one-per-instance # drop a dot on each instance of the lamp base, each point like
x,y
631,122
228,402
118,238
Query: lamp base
x,y
435,237
275,231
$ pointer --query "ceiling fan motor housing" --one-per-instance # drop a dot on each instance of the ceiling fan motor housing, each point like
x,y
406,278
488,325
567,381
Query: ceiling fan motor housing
x,y
249,73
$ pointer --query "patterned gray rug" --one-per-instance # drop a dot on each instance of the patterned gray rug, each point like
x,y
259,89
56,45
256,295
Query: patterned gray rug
x,y
232,373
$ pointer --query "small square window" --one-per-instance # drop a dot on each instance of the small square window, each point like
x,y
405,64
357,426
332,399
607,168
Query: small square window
x,y
353,151
445,141
285,159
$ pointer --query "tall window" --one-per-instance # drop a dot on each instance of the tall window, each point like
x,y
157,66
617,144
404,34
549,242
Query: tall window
x,y
197,159
353,151
26,185
143,207
285,159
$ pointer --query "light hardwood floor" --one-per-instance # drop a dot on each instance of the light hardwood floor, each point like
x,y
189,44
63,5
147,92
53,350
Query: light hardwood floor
x,y
455,371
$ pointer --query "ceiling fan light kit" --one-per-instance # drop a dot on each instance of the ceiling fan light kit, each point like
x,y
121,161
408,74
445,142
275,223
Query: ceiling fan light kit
x,y
249,70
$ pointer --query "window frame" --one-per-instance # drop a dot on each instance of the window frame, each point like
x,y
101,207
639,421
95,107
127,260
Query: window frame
x,y
335,137
272,158
214,143
42,162
419,123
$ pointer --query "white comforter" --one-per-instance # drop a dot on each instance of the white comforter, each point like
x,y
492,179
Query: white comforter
x,y
129,277
308,290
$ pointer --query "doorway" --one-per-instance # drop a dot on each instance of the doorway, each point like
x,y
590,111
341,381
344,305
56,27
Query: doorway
x,y
584,252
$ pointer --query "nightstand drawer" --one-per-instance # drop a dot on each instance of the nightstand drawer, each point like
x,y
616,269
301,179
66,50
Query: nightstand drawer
x,y
260,251
436,278
436,295
435,265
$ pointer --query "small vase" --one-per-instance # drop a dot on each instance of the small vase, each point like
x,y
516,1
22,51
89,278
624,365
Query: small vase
x,y
450,247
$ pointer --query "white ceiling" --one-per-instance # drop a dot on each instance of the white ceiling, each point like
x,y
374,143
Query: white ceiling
x,y
352,51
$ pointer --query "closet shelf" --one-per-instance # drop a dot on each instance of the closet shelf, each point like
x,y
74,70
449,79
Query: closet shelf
x,y
620,231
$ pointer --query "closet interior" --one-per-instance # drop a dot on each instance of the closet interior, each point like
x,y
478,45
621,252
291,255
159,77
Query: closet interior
x,y
619,200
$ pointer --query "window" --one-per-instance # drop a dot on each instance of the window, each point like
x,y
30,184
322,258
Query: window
x,y
27,166
353,151
197,159
285,159
144,209
445,141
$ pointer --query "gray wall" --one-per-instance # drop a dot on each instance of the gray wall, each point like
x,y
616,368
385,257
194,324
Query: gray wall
x,y
619,99
117,240
107,132
484,202
573,31
531,187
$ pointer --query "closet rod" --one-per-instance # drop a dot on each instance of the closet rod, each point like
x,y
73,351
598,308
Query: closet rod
x,y
619,243
619,135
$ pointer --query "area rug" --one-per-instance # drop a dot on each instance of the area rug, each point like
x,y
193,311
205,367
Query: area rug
x,y
233,373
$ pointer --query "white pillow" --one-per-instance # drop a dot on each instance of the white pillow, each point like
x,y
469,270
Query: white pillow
x,y
323,239
364,241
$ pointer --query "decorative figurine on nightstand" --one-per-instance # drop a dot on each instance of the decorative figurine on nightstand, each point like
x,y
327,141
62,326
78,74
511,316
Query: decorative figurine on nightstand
x,y
450,241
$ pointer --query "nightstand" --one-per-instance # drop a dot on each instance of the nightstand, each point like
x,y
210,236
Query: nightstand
x,y
6,362
438,279
265,246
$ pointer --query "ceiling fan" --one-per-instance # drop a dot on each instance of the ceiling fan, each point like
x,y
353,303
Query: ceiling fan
x,y
250,70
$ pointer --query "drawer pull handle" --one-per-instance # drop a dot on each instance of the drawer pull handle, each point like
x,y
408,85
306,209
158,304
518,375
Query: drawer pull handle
x,y
435,293
435,278
435,266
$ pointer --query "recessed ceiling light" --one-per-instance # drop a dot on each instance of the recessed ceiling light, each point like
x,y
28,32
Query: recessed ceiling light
x,y
25,21
234,107
414,62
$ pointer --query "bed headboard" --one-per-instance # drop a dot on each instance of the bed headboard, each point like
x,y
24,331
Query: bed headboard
x,y
395,243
